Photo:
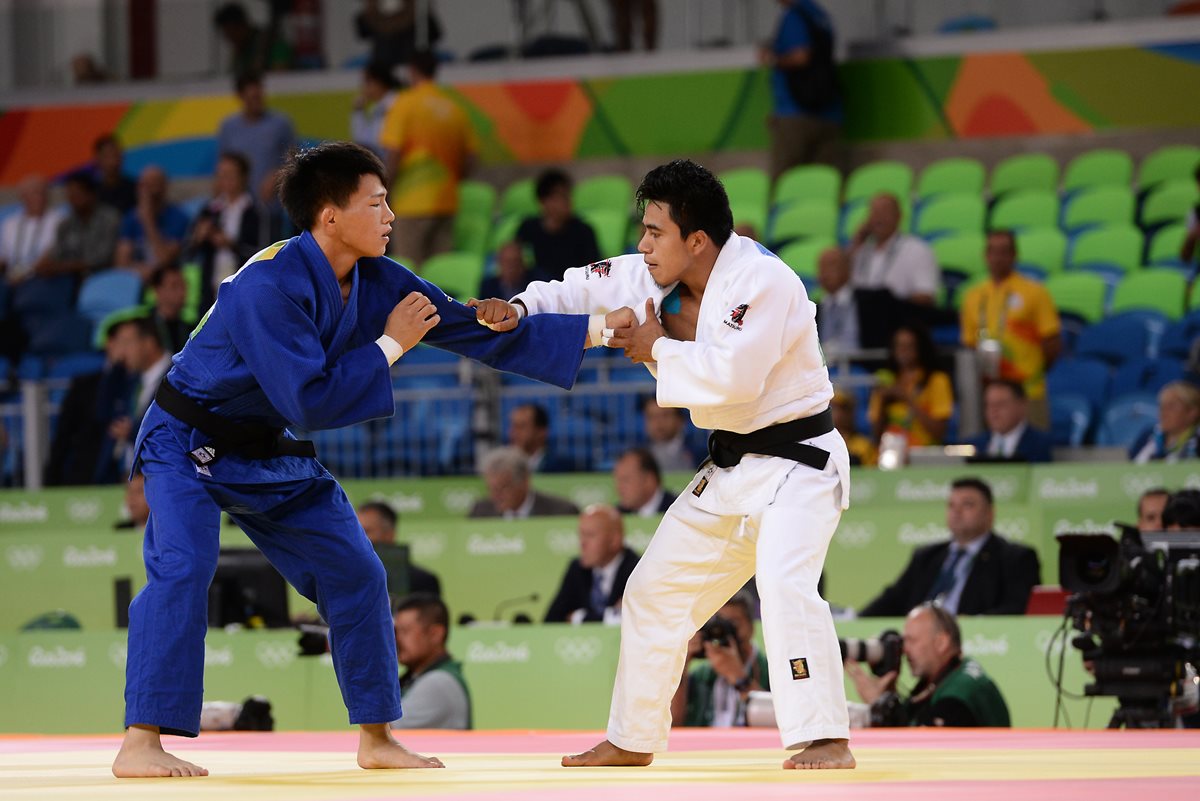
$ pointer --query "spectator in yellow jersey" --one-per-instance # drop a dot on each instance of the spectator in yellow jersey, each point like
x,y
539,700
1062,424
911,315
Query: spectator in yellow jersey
x,y
430,146
1013,322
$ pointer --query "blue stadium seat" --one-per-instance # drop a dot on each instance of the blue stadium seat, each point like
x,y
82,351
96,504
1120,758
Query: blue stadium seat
x,y
1070,419
1148,375
1176,341
1126,417
75,364
108,291
1086,377
44,296
1114,340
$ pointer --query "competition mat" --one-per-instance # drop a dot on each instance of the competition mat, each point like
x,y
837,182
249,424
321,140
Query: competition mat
x,y
703,765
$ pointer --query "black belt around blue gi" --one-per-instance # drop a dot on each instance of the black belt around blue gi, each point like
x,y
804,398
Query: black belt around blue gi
x,y
782,439
248,440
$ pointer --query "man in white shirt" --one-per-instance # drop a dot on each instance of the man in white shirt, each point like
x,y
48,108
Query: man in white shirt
x,y
885,258
435,690
745,362
27,236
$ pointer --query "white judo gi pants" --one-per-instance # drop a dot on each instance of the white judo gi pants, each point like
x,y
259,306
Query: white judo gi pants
x,y
695,562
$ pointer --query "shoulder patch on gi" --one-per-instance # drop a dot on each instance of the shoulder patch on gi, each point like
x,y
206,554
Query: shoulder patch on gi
x,y
799,669
269,252
600,269
736,316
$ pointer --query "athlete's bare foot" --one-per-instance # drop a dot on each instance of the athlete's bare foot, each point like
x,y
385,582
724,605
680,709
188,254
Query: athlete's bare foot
x,y
822,755
607,755
377,749
142,757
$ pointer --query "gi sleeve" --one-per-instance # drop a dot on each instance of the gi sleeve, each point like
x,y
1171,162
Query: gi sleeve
x,y
282,347
594,289
733,365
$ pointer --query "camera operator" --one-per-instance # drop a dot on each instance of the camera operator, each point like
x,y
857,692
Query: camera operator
x,y
715,692
951,690
1181,512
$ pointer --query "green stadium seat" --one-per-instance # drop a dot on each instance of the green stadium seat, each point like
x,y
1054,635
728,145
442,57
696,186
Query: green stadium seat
x,y
961,252
471,231
1159,290
808,182
1023,172
504,230
749,190
1115,247
1044,249
476,198
1080,294
520,199
457,274
952,175
802,256
1100,167
804,219
1170,201
611,228
871,179
1169,163
603,192
1166,245
1104,205
1027,208
951,212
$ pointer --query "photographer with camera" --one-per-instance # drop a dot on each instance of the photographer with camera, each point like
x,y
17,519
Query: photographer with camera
x,y
951,690
715,692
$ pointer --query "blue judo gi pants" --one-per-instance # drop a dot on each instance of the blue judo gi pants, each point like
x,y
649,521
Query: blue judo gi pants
x,y
309,531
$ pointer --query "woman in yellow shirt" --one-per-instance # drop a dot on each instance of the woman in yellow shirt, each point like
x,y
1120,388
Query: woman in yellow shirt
x,y
912,396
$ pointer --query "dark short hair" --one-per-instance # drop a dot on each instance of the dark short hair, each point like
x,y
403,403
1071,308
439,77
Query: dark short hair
x,y
1015,387
645,460
143,325
156,277
945,622
381,72
1182,509
326,173
245,79
382,509
1006,233
974,483
424,62
430,609
541,418
694,197
550,181
104,140
83,179
240,161
742,600
230,14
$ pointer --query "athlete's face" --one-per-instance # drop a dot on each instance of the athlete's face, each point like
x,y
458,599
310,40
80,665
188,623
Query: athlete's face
x,y
365,222
668,255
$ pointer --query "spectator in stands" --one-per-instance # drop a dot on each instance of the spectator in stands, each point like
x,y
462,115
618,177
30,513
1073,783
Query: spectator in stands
x,y
557,237
254,49
153,232
147,362
951,690
1012,319
912,397
977,572
435,691
113,186
375,97
1182,511
666,435
170,296
27,237
862,450
303,34
1008,434
886,258
262,136
838,313
715,692
86,240
135,504
622,14
393,30
1150,509
92,403
510,495
529,430
638,480
379,521
805,126
431,147
1176,435
512,276
229,229
594,583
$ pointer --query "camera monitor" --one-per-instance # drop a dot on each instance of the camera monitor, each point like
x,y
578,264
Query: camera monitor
x,y
247,590
395,560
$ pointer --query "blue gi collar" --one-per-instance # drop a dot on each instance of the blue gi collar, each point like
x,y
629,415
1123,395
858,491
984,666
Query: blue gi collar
x,y
327,283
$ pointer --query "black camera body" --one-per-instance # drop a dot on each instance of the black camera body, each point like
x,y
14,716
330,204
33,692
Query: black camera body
x,y
719,631
883,653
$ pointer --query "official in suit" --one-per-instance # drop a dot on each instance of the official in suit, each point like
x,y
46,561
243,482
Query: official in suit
x,y
638,480
506,472
529,430
1009,434
977,572
594,583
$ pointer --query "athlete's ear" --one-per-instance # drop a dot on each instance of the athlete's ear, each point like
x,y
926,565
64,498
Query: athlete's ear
x,y
698,240
328,215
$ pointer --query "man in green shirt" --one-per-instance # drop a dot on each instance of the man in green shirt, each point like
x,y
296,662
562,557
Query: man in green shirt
x,y
951,690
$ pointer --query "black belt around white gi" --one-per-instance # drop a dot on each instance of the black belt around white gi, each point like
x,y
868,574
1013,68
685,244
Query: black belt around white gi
x,y
248,440
782,439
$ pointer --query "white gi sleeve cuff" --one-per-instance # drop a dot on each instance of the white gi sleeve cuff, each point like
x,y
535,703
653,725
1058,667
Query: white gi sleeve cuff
x,y
596,336
660,348
390,347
